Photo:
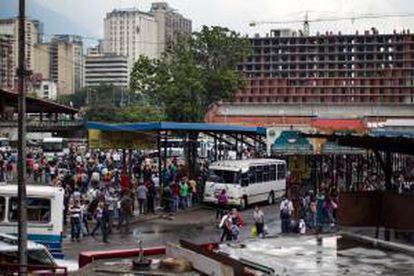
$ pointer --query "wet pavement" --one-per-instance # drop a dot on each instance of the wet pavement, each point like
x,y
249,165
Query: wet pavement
x,y
331,255
287,255
198,225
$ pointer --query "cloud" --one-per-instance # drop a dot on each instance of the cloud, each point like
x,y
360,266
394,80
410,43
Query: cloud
x,y
236,14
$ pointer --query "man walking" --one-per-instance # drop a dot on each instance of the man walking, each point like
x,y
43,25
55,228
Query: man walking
x,y
286,210
75,220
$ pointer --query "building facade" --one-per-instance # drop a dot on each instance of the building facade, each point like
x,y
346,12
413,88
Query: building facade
x,y
47,90
171,25
66,63
110,69
9,28
293,78
7,69
131,33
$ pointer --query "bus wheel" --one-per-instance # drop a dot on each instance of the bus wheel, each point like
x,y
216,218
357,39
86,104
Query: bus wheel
x,y
243,203
271,198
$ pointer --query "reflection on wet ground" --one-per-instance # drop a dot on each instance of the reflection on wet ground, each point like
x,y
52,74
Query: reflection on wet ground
x,y
332,255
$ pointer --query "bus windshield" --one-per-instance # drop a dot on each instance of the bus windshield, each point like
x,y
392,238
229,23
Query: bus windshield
x,y
52,147
222,176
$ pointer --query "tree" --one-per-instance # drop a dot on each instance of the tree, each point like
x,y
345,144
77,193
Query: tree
x,y
193,73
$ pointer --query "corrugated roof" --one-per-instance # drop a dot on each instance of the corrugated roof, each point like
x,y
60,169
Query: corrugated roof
x,y
174,126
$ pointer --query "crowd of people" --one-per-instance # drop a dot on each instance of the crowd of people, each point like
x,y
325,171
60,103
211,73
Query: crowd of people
x,y
100,194
104,189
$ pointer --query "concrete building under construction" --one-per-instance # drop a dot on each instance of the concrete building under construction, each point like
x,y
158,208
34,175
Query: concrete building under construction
x,y
292,78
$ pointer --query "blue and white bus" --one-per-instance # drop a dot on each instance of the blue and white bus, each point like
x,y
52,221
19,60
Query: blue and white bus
x,y
44,214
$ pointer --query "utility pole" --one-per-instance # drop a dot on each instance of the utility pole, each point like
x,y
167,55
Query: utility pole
x,y
21,145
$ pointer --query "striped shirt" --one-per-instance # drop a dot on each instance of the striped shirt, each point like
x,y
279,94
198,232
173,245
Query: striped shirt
x,y
75,211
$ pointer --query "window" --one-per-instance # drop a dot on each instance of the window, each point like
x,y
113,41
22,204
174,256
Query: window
x,y
227,177
2,208
281,171
272,172
252,175
38,209
259,174
265,173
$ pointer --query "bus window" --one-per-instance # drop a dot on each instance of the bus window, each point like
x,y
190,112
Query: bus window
x,y
222,176
38,210
259,174
252,175
2,208
281,171
265,173
245,180
272,172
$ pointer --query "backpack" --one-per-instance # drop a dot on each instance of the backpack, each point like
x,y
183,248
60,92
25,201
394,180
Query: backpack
x,y
284,213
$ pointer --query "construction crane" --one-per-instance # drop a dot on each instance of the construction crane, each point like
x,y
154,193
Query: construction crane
x,y
306,21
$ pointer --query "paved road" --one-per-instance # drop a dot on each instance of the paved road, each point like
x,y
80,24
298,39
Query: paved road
x,y
197,225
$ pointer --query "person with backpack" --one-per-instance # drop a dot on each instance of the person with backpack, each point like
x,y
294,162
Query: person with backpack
x,y
286,210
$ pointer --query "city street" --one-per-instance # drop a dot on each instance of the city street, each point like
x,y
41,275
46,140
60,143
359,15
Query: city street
x,y
197,225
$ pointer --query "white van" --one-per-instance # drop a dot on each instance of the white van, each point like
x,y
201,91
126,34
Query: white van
x,y
246,181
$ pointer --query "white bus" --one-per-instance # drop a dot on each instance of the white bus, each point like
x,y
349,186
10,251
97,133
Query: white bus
x,y
44,214
54,146
246,181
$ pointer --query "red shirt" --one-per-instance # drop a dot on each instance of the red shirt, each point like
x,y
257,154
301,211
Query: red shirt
x,y
124,182
175,190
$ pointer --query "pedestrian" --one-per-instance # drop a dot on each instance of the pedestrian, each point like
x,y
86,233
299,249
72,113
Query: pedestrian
x,y
183,193
104,225
98,218
126,212
141,197
151,195
84,214
286,210
258,217
236,224
225,225
175,192
111,202
75,220
222,200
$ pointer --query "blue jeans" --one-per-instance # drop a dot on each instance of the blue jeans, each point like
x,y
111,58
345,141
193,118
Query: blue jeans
x,y
285,225
183,202
175,203
75,227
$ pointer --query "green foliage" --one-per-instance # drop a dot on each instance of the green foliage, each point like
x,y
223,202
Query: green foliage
x,y
140,113
193,73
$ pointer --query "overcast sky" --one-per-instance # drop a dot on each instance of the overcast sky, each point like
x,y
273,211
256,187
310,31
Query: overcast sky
x,y
236,14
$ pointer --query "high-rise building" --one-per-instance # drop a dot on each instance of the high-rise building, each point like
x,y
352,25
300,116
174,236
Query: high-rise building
x,y
171,24
66,63
6,62
42,60
132,33
10,28
110,69
293,78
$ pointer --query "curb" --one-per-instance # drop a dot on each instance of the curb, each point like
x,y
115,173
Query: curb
x,y
409,250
